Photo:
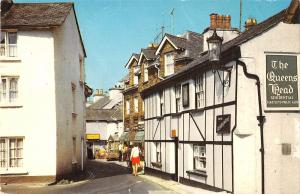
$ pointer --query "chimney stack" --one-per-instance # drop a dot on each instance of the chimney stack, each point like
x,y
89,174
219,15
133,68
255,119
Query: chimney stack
x,y
220,21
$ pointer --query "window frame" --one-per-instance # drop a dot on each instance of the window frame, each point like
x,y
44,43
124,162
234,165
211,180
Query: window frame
x,y
127,104
199,91
6,46
7,99
185,94
136,104
169,66
178,97
7,157
202,158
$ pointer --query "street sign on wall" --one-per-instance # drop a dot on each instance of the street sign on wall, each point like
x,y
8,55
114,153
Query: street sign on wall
x,y
281,81
92,136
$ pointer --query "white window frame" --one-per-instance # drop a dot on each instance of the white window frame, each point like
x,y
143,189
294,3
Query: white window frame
x,y
127,107
6,91
7,49
169,63
6,155
136,104
200,91
199,157
178,97
146,78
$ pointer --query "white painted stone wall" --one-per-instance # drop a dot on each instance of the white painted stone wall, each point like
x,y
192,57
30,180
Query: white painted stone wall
x,y
35,119
68,51
281,171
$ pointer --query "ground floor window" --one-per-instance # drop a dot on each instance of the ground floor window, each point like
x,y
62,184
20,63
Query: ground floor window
x,y
11,152
199,158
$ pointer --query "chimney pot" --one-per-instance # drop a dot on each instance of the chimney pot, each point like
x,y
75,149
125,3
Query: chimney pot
x,y
227,19
213,20
219,21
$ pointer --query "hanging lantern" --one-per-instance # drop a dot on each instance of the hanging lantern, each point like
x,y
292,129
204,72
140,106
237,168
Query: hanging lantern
x,y
214,47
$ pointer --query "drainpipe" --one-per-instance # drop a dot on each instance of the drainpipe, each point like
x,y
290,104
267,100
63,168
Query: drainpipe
x,y
261,120
158,70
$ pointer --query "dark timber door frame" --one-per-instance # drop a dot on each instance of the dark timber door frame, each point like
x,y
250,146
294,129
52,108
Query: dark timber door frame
x,y
176,159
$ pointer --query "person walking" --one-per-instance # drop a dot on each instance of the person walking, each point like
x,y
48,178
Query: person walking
x,y
120,152
135,159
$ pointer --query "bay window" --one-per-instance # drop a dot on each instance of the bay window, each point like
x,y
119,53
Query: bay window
x,y
8,89
8,44
169,64
11,153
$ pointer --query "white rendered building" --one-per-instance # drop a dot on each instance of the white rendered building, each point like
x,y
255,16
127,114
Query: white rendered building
x,y
42,101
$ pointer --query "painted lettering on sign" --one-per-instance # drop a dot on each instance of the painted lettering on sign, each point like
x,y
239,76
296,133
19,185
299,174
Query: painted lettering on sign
x,y
281,81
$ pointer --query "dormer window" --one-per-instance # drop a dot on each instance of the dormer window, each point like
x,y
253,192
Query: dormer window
x,y
169,64
8,44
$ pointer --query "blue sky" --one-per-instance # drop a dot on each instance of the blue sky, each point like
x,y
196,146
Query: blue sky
x,y
113,29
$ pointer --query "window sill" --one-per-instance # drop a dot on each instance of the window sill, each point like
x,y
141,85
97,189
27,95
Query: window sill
x,y
156,164
18,171
197,172
11,106
10,59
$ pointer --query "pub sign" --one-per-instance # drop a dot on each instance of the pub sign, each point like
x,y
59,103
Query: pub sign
x,y
281,81
223,123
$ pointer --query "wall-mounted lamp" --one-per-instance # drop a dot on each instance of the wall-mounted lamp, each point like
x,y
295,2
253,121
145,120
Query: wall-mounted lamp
x,y
214,54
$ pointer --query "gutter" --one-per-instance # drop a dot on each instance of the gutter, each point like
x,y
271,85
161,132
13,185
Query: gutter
x,y
260,119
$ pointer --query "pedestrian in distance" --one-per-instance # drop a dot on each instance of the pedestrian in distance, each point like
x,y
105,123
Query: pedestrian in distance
x,y
135,159
120,152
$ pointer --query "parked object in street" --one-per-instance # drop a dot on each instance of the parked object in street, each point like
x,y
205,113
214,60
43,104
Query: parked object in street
x,y
112,155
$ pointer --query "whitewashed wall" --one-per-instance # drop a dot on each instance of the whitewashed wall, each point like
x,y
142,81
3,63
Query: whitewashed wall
x,y
68,50
281,172
35,119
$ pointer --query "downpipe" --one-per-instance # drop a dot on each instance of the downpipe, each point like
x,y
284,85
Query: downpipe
x,y
260,119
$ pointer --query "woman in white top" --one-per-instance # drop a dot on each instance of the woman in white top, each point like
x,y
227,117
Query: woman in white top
x,y
135,158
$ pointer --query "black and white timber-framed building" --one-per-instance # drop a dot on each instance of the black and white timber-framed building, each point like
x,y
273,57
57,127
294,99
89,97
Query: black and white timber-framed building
x,y
226,128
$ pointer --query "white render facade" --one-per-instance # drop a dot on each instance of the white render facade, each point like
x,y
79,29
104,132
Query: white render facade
x,y
42,129
229,160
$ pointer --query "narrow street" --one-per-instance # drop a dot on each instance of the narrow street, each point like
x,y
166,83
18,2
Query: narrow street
x,y
102,177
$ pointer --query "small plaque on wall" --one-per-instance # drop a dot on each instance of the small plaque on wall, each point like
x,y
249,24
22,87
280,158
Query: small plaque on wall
x,y
223,123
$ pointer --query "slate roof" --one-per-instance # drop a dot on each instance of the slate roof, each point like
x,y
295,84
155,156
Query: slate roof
x,y
104,114
193,47
149,53
35,15
242,38
99,104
